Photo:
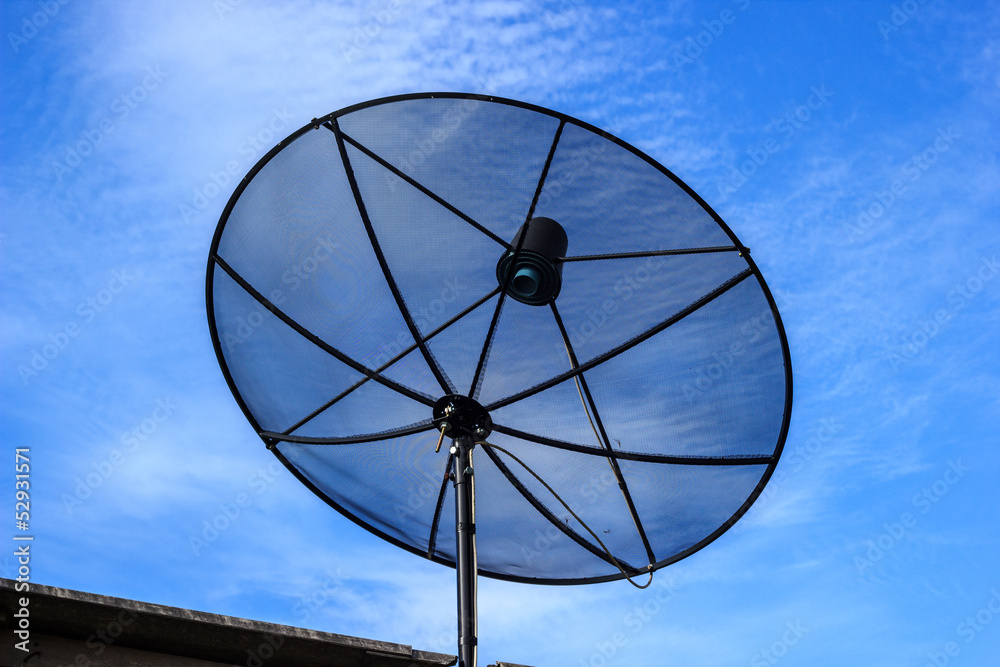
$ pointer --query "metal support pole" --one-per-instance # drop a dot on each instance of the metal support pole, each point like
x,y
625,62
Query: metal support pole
x,y
465,560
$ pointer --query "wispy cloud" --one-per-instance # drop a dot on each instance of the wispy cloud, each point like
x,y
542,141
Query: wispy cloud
x,y
126,127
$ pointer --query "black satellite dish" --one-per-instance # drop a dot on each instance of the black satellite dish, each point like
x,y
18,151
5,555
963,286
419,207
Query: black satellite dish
x,y
470,267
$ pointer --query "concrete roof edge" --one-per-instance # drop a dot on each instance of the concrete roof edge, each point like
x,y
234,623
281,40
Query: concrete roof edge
x,y
7,587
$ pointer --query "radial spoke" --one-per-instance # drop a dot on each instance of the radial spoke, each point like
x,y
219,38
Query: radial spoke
x,y
432,363
652,253
545,170
585,390
367,151
392,361
552,518
317,341
649,333
412,429
432,539
487,344
735,460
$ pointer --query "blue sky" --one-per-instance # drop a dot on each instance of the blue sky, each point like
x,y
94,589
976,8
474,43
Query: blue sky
x,y
852,146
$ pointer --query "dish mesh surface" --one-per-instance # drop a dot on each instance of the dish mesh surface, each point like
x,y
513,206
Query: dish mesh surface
x,y
352,283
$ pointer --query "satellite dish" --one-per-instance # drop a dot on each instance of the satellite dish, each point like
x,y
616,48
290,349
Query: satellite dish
x,y
526,286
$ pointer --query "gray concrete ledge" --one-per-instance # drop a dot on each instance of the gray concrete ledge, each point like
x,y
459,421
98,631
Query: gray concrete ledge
x,y
67,624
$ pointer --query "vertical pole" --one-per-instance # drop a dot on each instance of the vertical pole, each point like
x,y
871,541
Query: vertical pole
x,y
465,559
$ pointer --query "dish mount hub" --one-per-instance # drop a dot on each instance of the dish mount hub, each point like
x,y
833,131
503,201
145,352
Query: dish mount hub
x,y
537,275
459,415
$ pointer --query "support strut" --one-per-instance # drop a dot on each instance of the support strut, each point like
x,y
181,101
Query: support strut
x,y
465,559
